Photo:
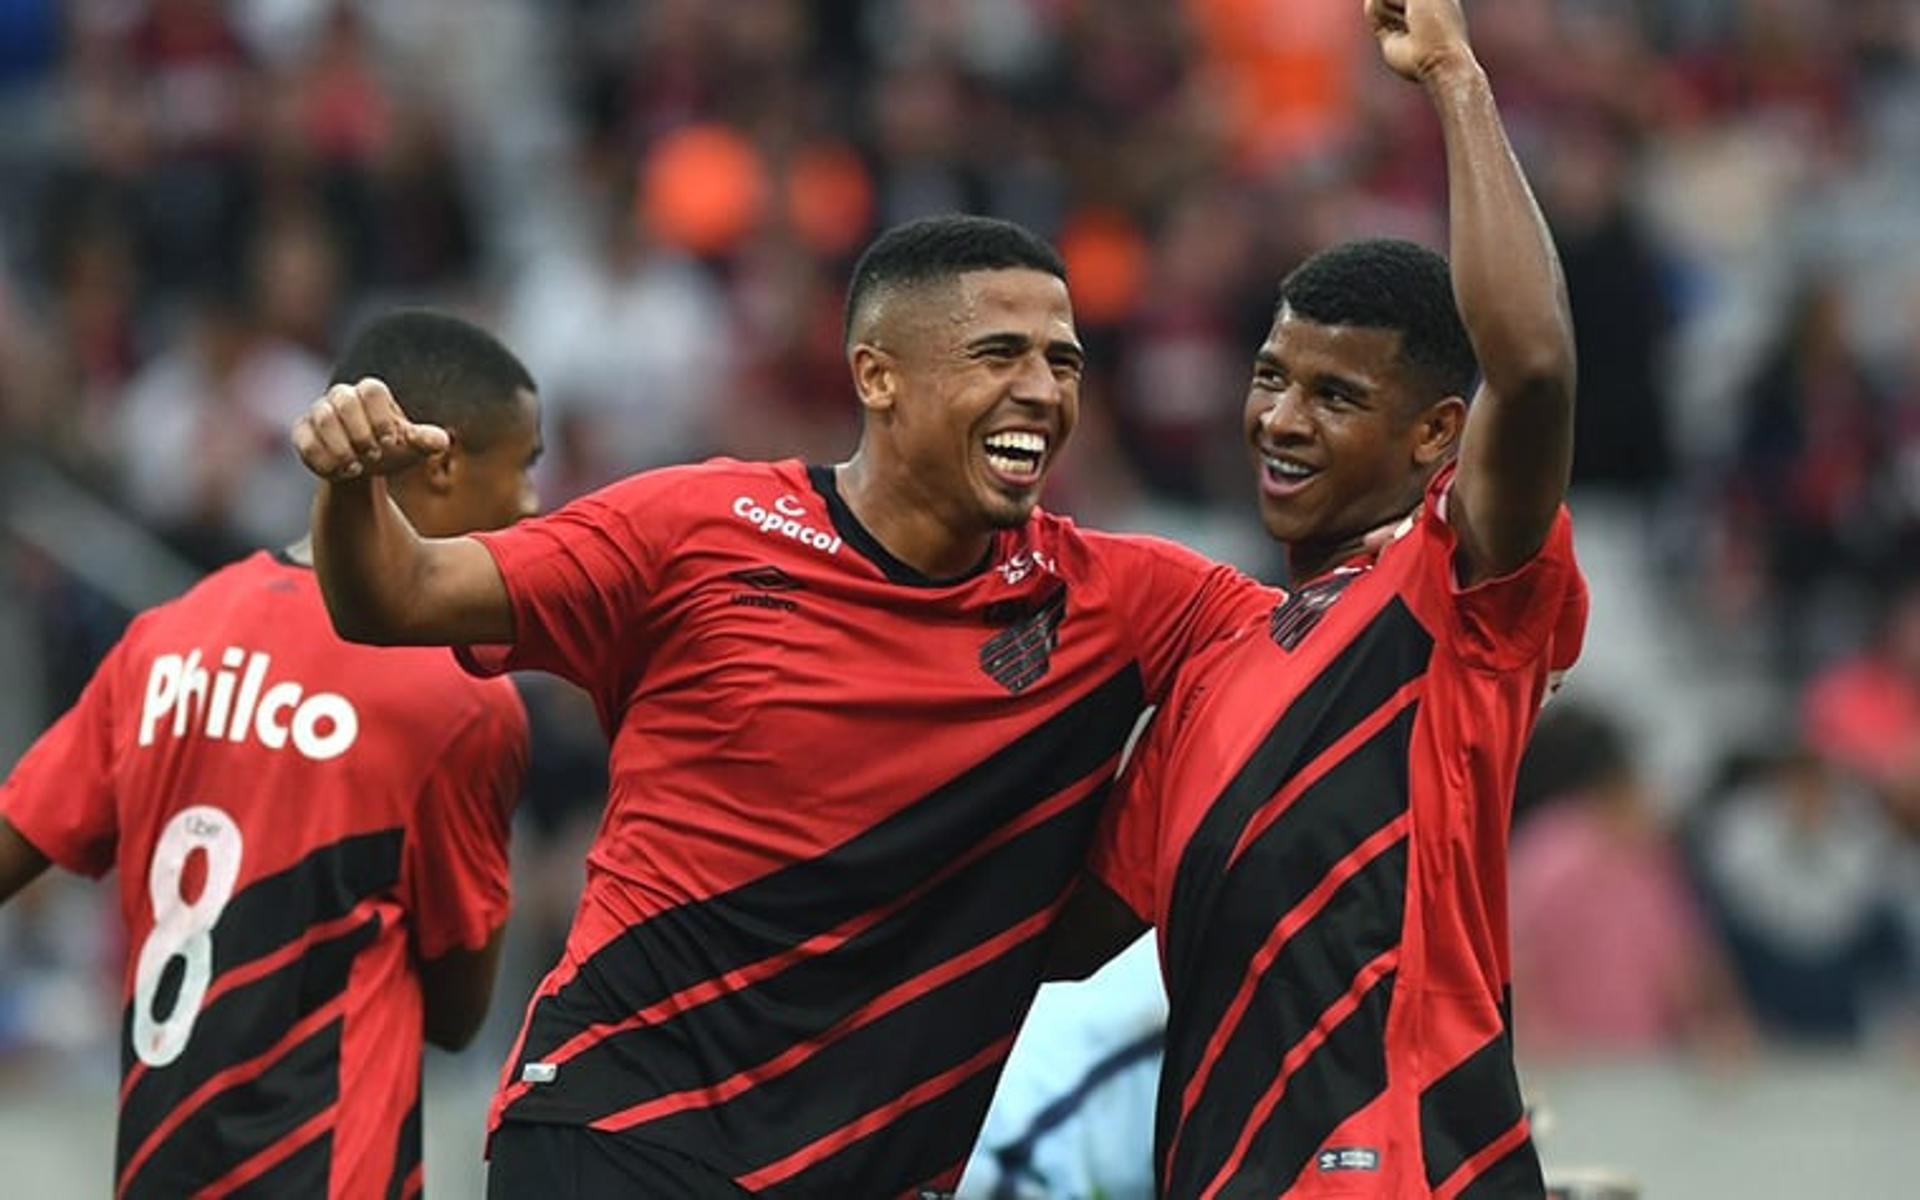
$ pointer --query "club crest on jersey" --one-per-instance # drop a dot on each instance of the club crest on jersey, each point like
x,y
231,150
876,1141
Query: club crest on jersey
x,y
783,520
1295,617
235,703
1021,655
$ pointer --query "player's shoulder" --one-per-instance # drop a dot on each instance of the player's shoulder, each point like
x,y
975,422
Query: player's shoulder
x,y
688,495
690,484
219,592
1102,550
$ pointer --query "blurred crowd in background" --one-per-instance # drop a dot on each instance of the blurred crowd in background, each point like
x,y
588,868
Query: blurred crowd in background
x,y
657,205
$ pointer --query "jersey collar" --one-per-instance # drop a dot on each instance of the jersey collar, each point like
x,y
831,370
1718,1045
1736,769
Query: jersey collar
x,y
868,547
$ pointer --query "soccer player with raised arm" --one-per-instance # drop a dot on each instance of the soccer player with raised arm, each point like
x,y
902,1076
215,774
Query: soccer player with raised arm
x,y
1317,821
311,836
863,718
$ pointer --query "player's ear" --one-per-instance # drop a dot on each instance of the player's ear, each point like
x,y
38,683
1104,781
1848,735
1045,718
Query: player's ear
x,y
1437,431
439,473
876,376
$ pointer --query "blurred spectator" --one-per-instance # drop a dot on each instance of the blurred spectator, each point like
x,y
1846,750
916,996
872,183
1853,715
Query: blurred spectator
x,y
1610,954
203,436
1620,315
1800,865
1812,452
1863,713
629,340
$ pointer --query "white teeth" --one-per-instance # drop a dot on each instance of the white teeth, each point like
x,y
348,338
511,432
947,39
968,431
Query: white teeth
x,y
1291,470
1028,443
1018,467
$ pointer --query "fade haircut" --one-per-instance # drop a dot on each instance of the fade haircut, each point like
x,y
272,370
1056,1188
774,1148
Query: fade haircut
x,y
937,249
442,371
1382,283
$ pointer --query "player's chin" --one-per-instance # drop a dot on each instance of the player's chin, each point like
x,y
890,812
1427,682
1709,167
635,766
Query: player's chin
x,y
1288,520
1008,508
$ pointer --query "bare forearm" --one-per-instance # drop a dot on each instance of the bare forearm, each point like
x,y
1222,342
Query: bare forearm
x,y
387,585
367,556
1516,455
1506,273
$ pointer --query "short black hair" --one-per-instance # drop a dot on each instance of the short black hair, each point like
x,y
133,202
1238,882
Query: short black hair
x,y
442,370
939,248
1384,283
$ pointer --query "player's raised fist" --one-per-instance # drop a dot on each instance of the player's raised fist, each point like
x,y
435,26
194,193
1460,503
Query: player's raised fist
x,y
356,430
1420,38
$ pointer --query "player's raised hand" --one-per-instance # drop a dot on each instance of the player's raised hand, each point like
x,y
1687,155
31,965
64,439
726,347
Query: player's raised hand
x,y
357,430
1420,37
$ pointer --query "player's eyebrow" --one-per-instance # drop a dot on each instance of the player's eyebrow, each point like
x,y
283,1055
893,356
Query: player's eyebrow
x,y
1068,351
1012,343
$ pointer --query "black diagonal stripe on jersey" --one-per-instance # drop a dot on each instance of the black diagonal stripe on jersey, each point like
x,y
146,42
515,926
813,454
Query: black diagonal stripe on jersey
x,y
705,1044
245,1119
1389,653
240,1026
1347,1072
917,1146
1315,969
305,1172
276,909
1463,1111
324,885
406,1154
1516,1176
1359,796
875,1065
696,941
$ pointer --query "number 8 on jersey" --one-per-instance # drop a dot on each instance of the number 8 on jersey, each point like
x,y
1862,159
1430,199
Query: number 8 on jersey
x,y
182,929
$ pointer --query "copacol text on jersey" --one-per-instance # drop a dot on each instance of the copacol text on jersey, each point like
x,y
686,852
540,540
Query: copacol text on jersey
x,y
236,701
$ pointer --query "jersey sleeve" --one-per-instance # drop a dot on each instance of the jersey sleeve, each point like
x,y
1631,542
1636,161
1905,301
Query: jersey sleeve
x,y
1177,601
1125,853
457,846
1537,610
580,581
60,795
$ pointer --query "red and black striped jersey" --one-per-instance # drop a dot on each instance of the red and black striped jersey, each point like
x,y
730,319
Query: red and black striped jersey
x,y
1317,825
295,821
846,801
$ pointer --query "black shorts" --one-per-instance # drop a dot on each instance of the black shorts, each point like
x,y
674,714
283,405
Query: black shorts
x,y
572,1162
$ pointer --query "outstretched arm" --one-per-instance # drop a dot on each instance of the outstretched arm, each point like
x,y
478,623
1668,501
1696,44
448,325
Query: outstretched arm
x,y
1517,452
383,582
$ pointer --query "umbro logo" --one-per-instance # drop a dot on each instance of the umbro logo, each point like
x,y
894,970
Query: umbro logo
x,y
766,579
765,582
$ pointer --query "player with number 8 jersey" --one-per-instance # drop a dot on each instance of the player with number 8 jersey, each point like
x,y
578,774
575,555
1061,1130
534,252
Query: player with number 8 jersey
x,y
311,842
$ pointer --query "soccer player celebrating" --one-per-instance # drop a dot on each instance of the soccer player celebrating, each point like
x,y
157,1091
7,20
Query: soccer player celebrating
x,y
311,836
862,719
1317,825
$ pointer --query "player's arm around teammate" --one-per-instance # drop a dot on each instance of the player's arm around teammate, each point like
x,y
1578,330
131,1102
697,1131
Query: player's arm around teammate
x,y
1516,453
383,582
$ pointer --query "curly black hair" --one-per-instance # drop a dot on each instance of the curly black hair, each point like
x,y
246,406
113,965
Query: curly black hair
x,y
1384,283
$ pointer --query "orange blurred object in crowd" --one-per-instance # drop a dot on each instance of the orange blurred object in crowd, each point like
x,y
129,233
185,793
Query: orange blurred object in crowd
x,y
703,189
829,198
1106,263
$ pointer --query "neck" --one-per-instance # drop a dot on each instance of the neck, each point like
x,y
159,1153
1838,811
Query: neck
x,y
906,522
1307,561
